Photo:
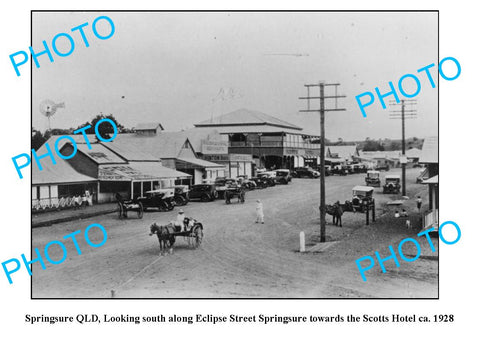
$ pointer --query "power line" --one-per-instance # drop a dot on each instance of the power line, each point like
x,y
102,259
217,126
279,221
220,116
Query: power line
x,y
321,85
411,114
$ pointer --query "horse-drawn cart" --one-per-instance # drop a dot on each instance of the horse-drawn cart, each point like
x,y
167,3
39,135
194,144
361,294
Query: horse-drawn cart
x,y
191,229
235,191
128,205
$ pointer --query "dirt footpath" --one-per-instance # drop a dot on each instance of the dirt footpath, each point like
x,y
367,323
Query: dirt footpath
x,y
239,258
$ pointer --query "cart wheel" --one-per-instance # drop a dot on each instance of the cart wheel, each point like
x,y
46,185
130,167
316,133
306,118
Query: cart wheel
x,y
120,211
197,235
140,210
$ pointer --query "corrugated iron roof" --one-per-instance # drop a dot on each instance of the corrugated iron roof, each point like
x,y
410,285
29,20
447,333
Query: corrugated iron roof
x,y
201,163
60,173
138,171
429,150
100,154
247,117
148,126
163,145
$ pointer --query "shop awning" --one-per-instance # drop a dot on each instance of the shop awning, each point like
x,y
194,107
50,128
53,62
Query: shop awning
x,y
138,171
431,180
196,163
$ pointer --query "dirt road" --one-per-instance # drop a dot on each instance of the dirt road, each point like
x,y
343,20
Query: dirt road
x,y
239,258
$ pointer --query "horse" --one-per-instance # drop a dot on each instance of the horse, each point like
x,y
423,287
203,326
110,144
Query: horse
x,y
336,211
165,236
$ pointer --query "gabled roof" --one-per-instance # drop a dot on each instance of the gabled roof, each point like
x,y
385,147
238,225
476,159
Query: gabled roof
x,y
139,171
429,150
196,136
99,153
163,145
62,171
413,153
246,117
148,126
381,154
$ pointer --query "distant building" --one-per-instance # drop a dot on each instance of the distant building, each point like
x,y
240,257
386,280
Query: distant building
x,y
343,153
413,155
148,129
271,142
382,159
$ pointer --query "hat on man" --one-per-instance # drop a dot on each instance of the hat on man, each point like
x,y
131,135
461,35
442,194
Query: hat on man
x,y
180,211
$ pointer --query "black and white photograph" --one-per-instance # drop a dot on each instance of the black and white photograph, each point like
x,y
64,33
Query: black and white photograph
x,y
238,170
235,154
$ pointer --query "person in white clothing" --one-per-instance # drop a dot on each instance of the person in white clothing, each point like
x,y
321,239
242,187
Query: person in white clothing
x,y
259,210
179,222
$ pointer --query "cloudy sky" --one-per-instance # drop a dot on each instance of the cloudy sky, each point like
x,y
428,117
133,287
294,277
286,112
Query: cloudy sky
x,y
181,68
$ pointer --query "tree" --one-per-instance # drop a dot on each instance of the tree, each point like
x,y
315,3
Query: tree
x,y
37,139
104,129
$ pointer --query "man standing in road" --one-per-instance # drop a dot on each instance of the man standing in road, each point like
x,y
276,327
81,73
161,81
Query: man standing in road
x,y
419,203
259,211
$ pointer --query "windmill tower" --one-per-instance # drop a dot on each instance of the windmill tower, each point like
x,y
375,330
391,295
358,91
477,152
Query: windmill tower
x,y
48,109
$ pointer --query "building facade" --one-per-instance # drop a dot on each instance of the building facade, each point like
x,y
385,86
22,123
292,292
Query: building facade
x,y
271,142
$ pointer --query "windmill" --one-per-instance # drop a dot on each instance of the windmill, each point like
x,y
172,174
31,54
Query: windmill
x,y
48,109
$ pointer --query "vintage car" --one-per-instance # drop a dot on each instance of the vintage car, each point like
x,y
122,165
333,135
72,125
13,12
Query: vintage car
x,y
305,172
181,196
385,167
359,168
261,182
339,170
203,192
362,197
392,184
283,176
269,177
373,178
162,199
246,182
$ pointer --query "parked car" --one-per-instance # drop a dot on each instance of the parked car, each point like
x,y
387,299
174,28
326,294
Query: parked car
x,y
392,184
305,172
246,182
339,170
385,167
204,192
162,199
373,178
181,194
362,196
269,177
283,176
260,182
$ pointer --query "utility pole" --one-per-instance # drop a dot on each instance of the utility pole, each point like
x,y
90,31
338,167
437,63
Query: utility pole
x,y
404,114
321,85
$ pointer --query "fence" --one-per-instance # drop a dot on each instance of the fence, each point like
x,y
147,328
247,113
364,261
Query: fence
x,y
55,203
